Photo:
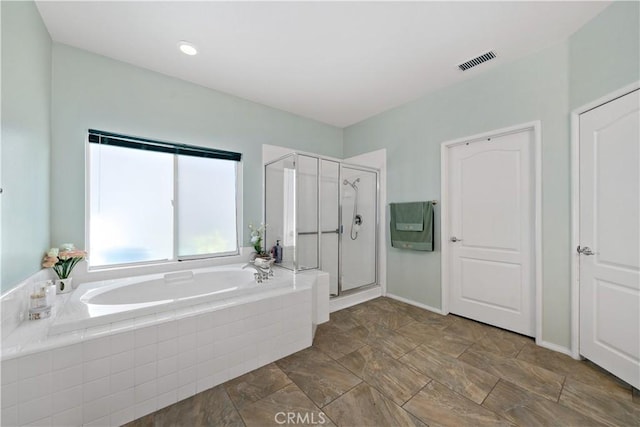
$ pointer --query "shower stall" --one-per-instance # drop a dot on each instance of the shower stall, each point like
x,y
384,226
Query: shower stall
x,y
324,214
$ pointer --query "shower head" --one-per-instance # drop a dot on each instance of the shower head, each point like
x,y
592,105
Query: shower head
x,y
352,184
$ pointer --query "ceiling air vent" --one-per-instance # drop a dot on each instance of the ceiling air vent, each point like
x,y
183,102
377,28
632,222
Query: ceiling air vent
x,y
477,61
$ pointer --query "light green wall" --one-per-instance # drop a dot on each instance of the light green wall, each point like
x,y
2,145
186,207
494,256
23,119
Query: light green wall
x,y
25,140
91,91
605,53
536,87
533,88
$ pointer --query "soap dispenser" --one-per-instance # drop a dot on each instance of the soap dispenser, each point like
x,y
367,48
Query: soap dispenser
x,y
276,252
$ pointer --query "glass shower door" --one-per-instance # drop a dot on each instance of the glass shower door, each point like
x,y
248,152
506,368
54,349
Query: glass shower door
x,y
307,232
330,221
324,215
280,208
359,225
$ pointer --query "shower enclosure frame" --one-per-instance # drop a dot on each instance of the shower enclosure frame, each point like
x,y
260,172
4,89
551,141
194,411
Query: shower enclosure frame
x,y
340,231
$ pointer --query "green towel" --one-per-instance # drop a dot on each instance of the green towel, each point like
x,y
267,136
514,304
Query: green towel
x,y
409,216
421,240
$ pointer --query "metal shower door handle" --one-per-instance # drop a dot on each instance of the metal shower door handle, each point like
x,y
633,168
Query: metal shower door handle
x,y
455,239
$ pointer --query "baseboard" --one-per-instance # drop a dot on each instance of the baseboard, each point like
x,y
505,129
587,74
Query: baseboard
x,y
417,304
355,298
556,347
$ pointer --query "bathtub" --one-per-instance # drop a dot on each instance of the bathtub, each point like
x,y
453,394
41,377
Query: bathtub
x,y
116,350
104,302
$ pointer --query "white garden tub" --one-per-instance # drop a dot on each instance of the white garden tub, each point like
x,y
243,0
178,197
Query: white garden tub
x,y
108,301
136,345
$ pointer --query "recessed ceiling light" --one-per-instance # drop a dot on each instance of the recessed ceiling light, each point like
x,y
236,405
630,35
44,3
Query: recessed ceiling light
x,y
187,48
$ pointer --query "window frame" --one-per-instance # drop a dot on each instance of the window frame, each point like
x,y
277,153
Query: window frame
x,y
176,258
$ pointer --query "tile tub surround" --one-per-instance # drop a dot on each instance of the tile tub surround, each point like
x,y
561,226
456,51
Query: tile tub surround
x,y
112,374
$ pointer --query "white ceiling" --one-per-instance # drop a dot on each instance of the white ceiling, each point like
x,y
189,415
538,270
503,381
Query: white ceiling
x,y
336,62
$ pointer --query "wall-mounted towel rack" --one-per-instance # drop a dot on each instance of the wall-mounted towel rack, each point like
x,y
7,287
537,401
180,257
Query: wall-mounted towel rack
x,y
434,202
412,225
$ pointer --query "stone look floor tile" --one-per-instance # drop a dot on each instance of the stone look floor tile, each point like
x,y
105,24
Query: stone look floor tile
x,y
389,316
335,342
327,328
146,421
425,317
459,376
394,379
211,407
528,409
503,343
371,339
562,364
383,303
274,409
597,403
318,375
343,320
467,329
437,405
365,406
530,377
424,334
216,408
394,320
384,339
362,332
256,384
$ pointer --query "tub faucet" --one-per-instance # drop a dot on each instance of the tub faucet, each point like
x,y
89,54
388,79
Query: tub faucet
x,y
261,273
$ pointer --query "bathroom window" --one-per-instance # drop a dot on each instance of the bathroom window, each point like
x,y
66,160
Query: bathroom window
x,y
152,201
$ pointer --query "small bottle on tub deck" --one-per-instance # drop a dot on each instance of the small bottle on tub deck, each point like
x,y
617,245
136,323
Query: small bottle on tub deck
x,y
41,300
276,252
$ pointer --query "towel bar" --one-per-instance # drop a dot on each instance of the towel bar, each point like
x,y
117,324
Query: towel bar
x,y
434,202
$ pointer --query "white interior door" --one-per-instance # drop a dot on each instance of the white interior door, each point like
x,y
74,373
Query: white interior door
x,y
491,205
610,237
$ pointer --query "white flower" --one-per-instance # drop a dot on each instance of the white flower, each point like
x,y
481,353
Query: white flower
x,y
254,239
53,252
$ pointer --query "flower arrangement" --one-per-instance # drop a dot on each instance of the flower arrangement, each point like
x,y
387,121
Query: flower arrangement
x,y
63,260
257,234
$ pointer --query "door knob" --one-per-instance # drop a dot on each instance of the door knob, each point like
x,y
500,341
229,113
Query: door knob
x,y
586,250
455,239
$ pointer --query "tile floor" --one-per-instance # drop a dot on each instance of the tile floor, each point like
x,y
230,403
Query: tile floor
x,y
386,363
